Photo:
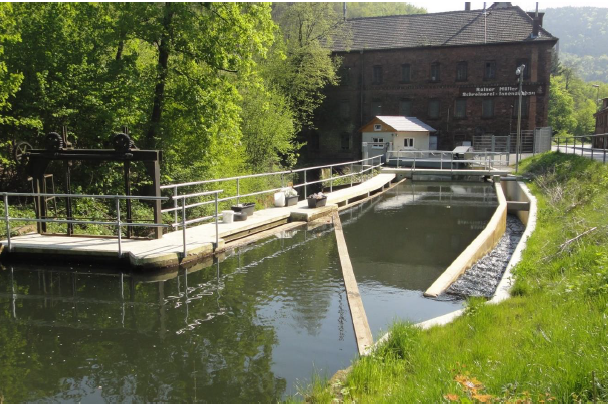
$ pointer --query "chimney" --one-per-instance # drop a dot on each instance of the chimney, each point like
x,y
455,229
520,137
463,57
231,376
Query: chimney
x,y
344,10
537,23
467,5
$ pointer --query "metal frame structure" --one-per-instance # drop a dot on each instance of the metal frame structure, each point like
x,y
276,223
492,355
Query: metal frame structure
x,y
57,148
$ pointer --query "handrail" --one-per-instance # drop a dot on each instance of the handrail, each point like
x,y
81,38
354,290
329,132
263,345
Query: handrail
x,y
583,149
118,223
367,164
483,158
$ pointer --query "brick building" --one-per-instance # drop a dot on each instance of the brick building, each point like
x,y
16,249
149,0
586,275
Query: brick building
x,y
601,125
454,71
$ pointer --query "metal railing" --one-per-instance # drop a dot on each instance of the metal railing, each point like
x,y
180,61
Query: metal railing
x,y
446,160
591,146
118,223
364,166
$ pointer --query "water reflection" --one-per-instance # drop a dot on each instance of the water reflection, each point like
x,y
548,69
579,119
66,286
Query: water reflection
x,y
401,241
240,330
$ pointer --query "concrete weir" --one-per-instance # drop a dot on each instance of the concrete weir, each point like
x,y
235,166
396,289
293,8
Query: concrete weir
x,y
200,240
481,245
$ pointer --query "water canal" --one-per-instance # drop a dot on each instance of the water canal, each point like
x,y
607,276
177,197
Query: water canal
x,y
249,327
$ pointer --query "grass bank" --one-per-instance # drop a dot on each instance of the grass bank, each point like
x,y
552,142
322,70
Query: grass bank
x,y
549,343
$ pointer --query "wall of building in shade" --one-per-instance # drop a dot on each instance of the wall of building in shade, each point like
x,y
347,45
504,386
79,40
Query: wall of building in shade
x,y
601,125
461,91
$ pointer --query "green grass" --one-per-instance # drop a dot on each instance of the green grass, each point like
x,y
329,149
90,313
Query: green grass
x,y
549,343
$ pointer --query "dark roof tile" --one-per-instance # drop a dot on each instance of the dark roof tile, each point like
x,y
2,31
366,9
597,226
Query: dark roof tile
x,y
466,27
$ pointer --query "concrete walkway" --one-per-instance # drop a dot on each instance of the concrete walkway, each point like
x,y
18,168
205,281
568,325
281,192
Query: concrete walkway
x,y
200,240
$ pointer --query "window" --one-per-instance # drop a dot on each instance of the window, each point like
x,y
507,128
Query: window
x,y
527,69
433,108
460,108
461,72
344,109
344,74
378,143
406,73
435,72
525,107
405,108
377,75
487,108
408,142
345,141
489,71
376,108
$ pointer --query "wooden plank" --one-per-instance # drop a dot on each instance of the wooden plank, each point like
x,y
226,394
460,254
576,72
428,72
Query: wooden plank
x,y
363,334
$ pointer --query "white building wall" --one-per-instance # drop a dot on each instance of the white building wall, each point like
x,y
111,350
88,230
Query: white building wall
x,y
421,140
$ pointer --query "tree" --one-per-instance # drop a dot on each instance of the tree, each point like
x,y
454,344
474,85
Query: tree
x,y
561,107
367,9
308,30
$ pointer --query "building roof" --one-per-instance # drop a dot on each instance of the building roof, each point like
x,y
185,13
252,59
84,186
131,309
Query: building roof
x,y
405,124
465,27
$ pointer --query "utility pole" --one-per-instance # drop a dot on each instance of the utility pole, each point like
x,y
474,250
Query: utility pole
x,y
520,73
597,97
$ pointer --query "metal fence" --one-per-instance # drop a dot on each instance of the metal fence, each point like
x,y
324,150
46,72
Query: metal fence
x,y
532,141
117,222
591,146
446,160
352,171
358,169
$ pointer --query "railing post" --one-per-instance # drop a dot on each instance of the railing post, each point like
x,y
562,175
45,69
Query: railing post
x,y
217,237
8,224
331,179
605,147
238,190
118,227
184,228
175,206
351,174
305,193
398,158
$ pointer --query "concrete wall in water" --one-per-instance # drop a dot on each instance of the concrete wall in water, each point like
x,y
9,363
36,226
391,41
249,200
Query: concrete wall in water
x,y
515,192
482,244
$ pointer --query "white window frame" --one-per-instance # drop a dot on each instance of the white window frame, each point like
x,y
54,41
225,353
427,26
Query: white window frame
x,y
376,142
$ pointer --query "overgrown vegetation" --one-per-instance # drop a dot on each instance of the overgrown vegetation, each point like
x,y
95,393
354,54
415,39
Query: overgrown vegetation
x,y
546,344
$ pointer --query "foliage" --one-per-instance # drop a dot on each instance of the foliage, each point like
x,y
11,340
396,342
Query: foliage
x,y
561,107
583,38
367,9
544,344
308,30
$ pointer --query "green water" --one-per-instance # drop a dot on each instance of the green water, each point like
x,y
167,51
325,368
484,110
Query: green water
x,y
402,241
249,327
246,329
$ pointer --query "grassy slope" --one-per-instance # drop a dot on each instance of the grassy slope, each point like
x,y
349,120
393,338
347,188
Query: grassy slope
x,y
549,343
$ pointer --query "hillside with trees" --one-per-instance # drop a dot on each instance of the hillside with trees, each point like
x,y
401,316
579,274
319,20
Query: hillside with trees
x,y
583,39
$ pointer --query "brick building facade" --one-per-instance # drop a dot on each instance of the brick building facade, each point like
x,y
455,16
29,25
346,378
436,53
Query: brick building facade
x,y
454,71
601,125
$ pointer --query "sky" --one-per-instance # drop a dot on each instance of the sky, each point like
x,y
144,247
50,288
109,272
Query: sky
x,y
434,6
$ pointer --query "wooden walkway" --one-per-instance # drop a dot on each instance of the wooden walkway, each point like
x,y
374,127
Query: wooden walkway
x,y
200,240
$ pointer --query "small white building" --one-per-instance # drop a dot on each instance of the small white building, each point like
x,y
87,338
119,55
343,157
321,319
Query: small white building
x,y
384,133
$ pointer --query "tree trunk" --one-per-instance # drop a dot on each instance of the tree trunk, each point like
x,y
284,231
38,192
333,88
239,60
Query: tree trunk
x,y
162,67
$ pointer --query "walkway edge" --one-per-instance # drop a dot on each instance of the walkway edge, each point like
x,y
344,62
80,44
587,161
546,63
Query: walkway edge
x,y
363,334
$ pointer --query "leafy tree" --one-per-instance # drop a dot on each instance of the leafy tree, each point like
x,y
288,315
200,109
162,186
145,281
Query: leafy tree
x,y
367,9
308,30
561,107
